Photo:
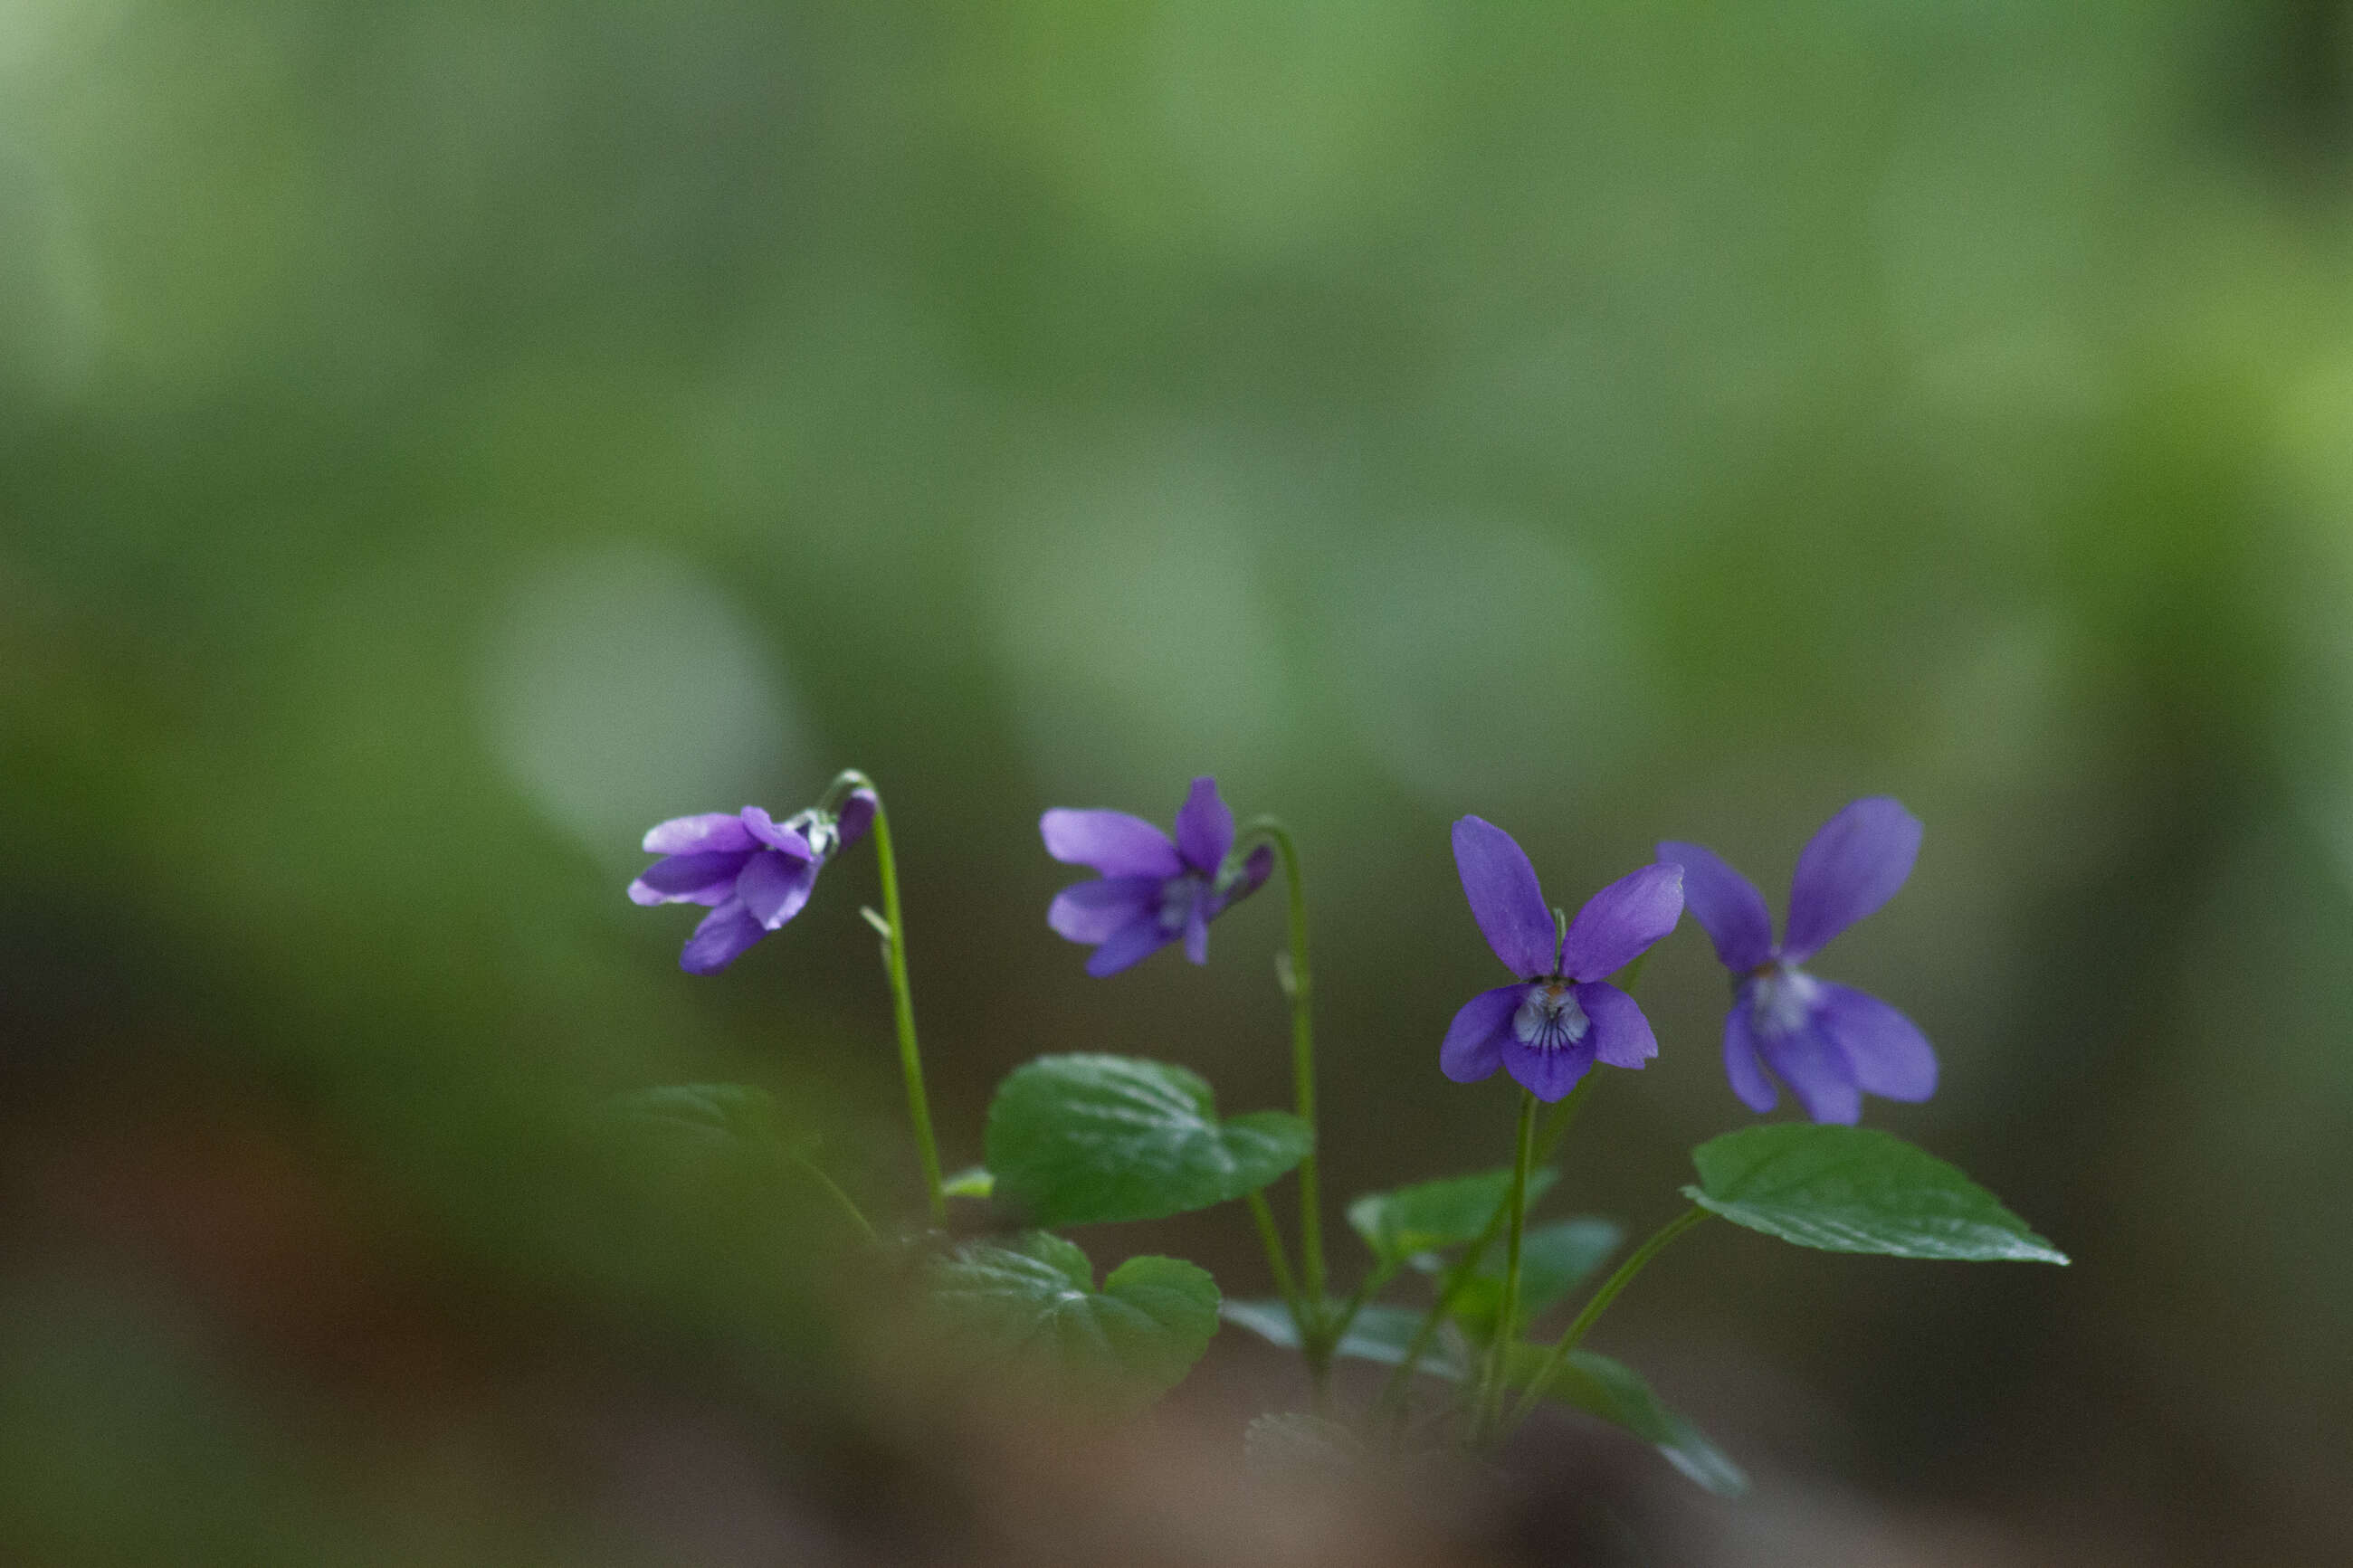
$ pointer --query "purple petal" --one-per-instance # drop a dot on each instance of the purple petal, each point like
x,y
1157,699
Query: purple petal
x,y
1548,1075
1853,866
1619,1035
1505,898
775,887
857,814
699,879
1205,826
1111,842
721,938
1092,912
712,832
1727,904
1474,1041
1621,919
1136,940
783,840
1817,1072
1891,1058
1740,1062
1197,930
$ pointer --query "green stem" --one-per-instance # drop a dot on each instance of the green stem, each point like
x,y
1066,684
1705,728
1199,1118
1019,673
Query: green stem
x,y
1600,1304
1299,983
840,1196
1515,1233
1345,1318
1277,1261
902,1001
1557,1124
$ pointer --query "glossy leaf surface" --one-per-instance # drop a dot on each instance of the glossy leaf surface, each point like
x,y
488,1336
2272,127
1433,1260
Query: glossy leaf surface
x,y
1085,1140
1854,1189
1032,1301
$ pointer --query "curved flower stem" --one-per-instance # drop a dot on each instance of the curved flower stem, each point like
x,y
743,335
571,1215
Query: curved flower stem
x,y
902,1001
1598,1305
1491,1409
1299,986
1557,1124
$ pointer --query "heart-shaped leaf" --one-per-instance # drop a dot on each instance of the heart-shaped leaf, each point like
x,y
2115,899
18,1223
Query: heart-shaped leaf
x,y
1450,1212
1032,1303
1618,1394
1554,1260
1852,1189
1083,1140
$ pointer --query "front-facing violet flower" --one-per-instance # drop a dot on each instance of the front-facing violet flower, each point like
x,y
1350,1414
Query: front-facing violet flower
x,y
754,872
1830,1044
1152,890
1560,1016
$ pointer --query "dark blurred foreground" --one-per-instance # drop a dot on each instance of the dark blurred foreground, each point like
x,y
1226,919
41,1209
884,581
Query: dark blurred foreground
x,y
226,1341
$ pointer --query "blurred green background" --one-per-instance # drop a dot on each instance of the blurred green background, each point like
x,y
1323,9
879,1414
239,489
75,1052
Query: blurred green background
x,y
439,440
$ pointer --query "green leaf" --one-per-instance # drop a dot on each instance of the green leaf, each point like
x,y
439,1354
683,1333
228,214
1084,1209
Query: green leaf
x,y
1554,1259
1852,1189
1378,1334
1083,1140
1451,1212
1032,1302
1618,1394
975,1183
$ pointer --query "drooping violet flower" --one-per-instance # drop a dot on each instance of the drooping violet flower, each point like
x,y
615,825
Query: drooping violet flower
x,y
1830,1044
1561,1018
754,872
1152,890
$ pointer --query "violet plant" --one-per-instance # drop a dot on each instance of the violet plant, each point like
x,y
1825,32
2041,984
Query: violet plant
x,y
1091,1139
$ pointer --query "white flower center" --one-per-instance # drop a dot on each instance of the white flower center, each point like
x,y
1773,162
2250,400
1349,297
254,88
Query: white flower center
x,y
1784,1001
821,832
1549,1017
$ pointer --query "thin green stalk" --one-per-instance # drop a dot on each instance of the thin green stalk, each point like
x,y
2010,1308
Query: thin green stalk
x,y
1515,1233
1557,1124
1345,1318
1600,1304
1277,1261
840,1197
902,1001
1299,984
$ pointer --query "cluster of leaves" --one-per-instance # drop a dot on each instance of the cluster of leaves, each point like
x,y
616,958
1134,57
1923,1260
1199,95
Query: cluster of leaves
x,y
1095,1139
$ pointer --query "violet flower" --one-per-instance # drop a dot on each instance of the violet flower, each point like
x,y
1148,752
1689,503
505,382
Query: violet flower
x,y
1830,1044
1153,889
754,872
1561,1018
